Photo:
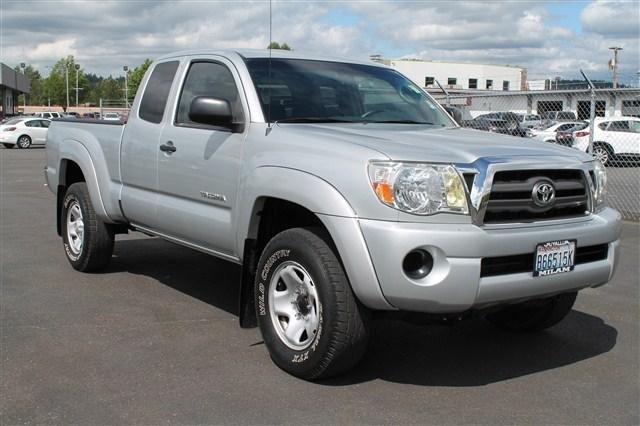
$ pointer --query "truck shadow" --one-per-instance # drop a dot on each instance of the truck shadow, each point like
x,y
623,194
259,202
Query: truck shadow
x,y
471,353
201,276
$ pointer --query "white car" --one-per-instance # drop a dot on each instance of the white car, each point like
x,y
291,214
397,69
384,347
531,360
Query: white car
x,y
548,133
24,132
612,137
48,114
111,116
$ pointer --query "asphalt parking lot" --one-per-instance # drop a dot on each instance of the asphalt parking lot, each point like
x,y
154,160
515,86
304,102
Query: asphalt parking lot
x,y
155,339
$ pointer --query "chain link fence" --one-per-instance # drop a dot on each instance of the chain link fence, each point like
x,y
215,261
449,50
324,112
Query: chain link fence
x,y
603,122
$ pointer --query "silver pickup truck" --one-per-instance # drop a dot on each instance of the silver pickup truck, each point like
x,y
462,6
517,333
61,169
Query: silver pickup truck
x,y
342,189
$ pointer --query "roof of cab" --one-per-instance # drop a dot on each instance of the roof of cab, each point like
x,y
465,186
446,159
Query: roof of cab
x,y
266,53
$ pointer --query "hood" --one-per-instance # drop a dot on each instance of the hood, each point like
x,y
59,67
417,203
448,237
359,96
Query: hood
x,y
425,143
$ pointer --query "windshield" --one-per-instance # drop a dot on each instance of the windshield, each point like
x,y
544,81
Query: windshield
x,y
297,90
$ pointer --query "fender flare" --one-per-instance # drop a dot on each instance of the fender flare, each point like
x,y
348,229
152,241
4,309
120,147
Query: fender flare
x,y
302,188
72,150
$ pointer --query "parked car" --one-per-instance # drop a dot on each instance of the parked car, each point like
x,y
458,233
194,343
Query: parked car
x,y
567,137
24,132
528,121
550,117
94,115
111,116
48,114
350,191
614,139
498,122
548,133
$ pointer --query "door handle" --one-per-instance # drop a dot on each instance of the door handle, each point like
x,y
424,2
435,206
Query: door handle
x,y
168,147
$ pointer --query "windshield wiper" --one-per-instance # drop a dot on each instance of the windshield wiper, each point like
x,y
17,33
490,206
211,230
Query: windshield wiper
x,y
313,120
401,122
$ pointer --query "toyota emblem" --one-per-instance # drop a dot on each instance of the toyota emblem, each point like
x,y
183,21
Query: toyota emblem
x,y
543,194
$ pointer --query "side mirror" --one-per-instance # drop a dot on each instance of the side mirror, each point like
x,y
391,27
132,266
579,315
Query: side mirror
x,y
456,113
212,111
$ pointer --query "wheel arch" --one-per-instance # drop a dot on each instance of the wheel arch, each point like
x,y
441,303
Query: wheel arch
x,y
76,166
270,208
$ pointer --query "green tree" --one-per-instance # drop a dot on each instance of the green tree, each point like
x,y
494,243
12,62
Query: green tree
x,y
136,76
55,85
35,80
276,45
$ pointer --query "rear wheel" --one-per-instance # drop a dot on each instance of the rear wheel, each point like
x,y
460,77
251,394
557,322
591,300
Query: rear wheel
x,y
8,145
310,320
603,154
87,240
534,315
24,142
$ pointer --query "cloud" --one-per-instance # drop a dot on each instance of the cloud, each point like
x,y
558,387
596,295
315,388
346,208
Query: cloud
x,y
105,35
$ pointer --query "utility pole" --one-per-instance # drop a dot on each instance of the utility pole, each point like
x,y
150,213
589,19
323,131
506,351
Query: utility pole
x,y
613,64
24,95
77,89
126,86
66,73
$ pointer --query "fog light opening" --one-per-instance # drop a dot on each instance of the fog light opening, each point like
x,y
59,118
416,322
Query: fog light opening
x,y
417,264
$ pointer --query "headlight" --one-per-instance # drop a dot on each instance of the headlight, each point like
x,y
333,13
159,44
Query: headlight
x,y
600,175
421,189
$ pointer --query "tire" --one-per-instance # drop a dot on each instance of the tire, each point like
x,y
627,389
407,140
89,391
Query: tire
x,y
317,300
534,315
87,240
603,153
8,145
24,142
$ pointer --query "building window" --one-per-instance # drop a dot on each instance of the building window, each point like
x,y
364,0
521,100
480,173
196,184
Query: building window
x,y
489,84
505,85
452,81
473,83
429,81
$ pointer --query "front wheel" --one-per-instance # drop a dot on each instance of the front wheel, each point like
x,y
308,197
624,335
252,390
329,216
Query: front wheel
x,y
87,240
534,315
310,320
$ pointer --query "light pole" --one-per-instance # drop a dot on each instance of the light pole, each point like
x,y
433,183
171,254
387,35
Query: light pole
x,y
614,65
66,73
49,88
77,89
24,95
126,86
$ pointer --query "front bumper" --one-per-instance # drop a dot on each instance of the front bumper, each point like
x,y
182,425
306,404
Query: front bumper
x,y
455,283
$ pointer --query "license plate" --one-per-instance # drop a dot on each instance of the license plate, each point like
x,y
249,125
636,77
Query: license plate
x,y
554,257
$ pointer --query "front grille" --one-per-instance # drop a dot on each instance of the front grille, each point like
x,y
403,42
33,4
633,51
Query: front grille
x,y
511,197
504,265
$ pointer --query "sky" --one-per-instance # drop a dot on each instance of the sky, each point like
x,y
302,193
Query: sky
x,y
548,38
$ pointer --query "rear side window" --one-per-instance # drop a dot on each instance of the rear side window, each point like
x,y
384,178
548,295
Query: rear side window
x,y
566,116
156,93
33,123
619,126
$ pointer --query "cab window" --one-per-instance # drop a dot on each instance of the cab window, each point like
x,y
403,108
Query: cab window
x,y
156,93
209,79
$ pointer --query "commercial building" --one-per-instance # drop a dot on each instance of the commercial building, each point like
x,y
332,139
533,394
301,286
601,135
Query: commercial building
x,y
608,102
461,75
12,84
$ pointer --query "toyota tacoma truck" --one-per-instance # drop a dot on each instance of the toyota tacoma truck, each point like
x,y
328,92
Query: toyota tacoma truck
x,y
342,189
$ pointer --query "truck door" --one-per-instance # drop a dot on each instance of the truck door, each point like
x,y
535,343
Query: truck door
x,y
199,165
139,151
